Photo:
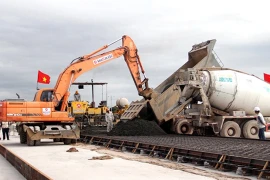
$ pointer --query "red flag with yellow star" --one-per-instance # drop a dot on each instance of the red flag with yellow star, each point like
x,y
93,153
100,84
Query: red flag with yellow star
x,y
266,77
43,78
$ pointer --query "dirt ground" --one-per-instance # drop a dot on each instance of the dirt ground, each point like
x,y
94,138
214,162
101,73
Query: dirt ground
x,y
207,172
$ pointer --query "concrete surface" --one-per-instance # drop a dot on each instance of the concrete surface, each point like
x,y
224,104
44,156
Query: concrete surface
x,y
53,160
7,171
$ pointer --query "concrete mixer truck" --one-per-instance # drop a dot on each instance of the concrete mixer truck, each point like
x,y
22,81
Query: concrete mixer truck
x,y
222,99
205,100
121,105
122,102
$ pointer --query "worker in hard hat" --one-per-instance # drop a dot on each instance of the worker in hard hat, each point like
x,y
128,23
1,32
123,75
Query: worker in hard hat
x,y
261,123
77,96
109,119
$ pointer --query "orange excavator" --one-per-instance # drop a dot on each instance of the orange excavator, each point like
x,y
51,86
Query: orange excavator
x,y
47,117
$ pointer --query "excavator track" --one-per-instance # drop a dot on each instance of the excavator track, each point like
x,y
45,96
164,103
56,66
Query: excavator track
x,y
252,156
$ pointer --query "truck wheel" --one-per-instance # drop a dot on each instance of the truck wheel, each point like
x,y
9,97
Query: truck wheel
x,y
37,142
29,141
67,141
230,129
56,140
250,130
23,137
183,127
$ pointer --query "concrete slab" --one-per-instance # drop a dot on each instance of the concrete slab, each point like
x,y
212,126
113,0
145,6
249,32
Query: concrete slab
x,y
53,160
7,171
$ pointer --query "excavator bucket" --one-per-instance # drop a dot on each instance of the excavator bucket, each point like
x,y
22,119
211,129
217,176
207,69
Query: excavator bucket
x,y
166,104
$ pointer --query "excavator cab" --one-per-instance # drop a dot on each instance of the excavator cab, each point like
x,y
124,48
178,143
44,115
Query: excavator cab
x,y
46,95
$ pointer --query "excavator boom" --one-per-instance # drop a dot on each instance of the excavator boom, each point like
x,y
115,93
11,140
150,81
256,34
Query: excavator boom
x,y
93,60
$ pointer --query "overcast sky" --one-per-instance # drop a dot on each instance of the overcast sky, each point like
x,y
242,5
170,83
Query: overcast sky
x,y
47,35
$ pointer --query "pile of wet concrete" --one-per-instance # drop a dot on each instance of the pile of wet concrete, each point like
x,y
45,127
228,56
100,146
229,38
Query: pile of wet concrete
x,y
136,127
94,130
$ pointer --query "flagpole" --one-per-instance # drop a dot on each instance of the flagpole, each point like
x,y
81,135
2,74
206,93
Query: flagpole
x,y
37,79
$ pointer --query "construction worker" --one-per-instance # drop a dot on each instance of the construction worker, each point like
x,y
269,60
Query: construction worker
x,y
5,130
109,119
77,96
12,128
261,123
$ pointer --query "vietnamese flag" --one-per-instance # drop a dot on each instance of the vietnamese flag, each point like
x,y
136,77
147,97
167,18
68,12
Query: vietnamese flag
x,y
266,77
43,78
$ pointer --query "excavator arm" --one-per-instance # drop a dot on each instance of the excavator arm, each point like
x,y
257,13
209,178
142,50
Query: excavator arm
x,y
85,63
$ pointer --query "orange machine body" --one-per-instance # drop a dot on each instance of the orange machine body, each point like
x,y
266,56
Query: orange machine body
x,y
22,111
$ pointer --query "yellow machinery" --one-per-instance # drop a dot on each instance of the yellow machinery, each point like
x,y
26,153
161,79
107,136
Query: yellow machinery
x,y
119,111
87,113
121,105
96,116
96,110
78,109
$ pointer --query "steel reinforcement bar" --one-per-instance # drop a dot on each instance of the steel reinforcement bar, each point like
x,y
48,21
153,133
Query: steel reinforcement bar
x,y
180,149
26,169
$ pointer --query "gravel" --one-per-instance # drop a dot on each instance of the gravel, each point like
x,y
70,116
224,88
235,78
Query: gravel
x,y
94,130
136,127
